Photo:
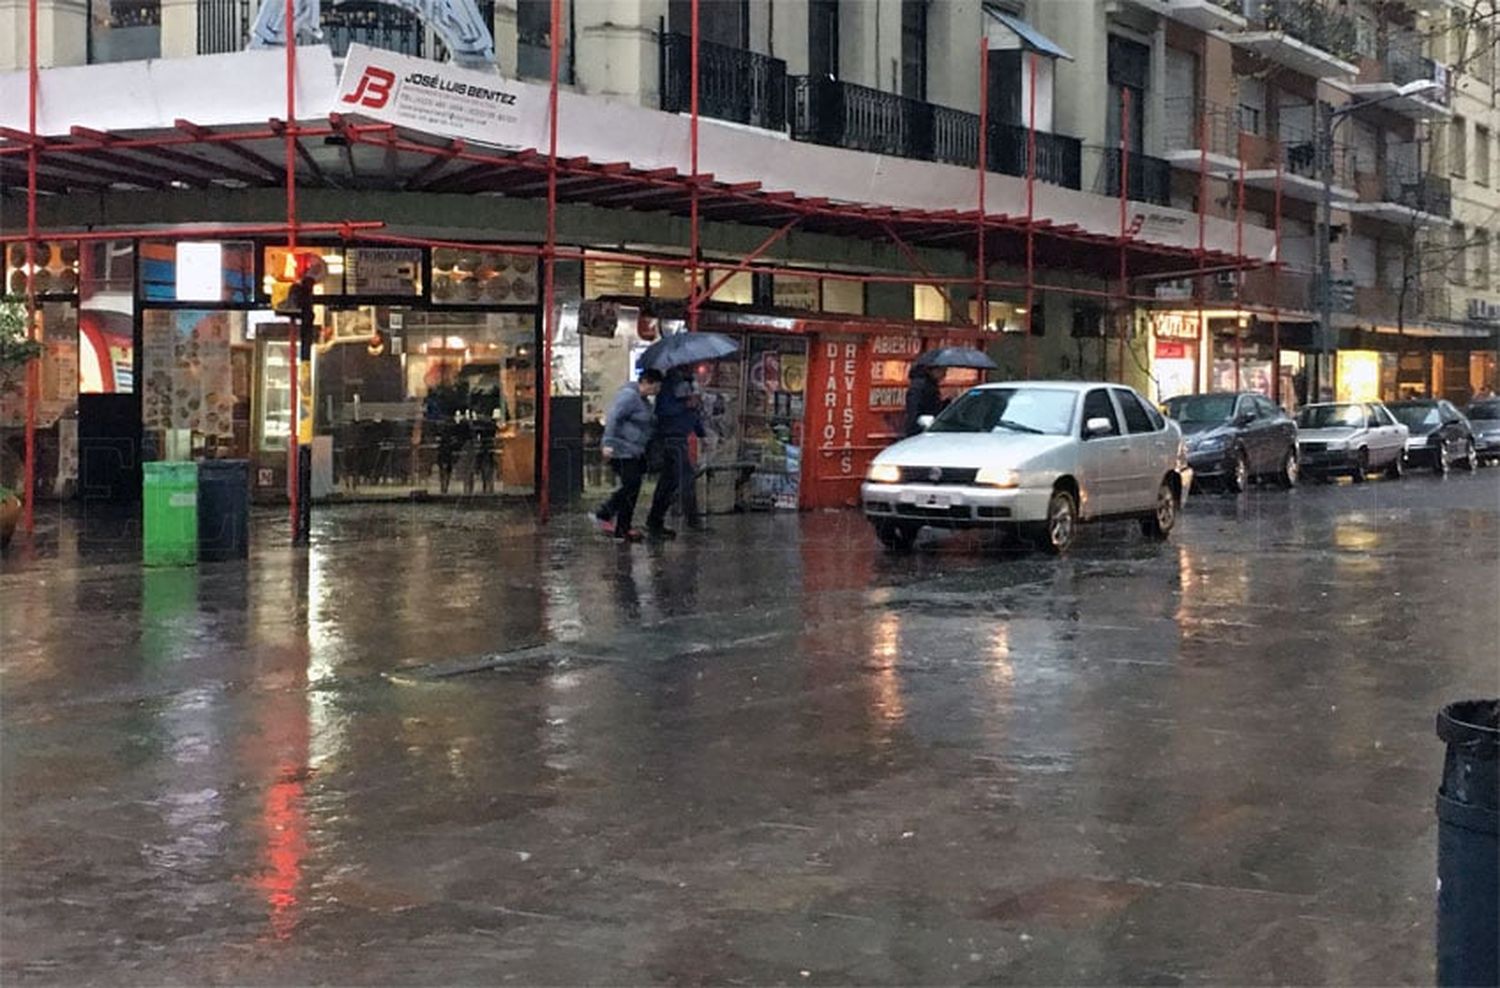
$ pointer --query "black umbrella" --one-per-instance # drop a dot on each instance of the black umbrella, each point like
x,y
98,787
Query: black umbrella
x,y
680,349
955,356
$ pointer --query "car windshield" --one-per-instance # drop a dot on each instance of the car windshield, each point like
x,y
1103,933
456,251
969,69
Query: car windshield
x,y
1485,411
1416,416
1196,409
1031,410
1331,417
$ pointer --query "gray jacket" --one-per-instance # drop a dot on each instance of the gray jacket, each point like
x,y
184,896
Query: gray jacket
x,y
627,426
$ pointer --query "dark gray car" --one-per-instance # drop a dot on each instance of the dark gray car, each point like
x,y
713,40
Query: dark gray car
x,y
1234,438
1484,420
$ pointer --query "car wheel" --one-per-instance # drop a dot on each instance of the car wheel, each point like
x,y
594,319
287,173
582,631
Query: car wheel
x,y
1441,463
897,536
1361,466
1163,518
1057,533
1291,469
1471,458
1239,475
1397,469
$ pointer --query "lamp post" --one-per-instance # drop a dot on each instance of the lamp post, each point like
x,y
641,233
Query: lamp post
x,y
1324,343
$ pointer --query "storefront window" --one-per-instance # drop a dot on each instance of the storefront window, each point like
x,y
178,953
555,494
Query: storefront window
x,y
671,283
847,297
928,304
190,402
1001,316
795,292
613,279
197,271
739,289
484,278
774,406
106,322
282,268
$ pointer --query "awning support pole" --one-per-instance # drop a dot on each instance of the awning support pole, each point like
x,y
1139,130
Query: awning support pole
x,y
981,267
1124,228
549,293
33,367
294,343
1030,223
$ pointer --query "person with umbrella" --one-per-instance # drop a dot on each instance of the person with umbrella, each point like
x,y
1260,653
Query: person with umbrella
x,y
679,414
924,394
627,430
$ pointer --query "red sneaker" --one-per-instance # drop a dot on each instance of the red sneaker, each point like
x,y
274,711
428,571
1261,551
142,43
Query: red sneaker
x,y
605,525
634,535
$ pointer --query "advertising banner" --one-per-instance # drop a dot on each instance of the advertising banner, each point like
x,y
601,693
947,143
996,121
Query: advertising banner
x,y
439,98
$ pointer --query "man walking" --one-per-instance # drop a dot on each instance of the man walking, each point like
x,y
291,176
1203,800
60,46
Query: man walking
x,y
679,414
627,430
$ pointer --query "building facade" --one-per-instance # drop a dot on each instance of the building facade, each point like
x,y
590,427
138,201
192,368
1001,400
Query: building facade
x,y
1165,217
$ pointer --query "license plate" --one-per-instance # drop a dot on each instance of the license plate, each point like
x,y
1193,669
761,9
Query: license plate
x,y
937,500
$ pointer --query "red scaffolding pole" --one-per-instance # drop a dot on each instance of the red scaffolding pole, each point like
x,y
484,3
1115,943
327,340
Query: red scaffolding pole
x,y
1124,228
1276,294
549,290
1205,339
981,269
293,338
33,368
1239,278
693,242
1030,222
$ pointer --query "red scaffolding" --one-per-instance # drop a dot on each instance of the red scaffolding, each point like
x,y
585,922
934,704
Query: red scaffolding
x,y
91,159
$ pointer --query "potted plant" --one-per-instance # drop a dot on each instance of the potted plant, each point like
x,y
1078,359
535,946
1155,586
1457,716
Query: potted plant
x,y
17,350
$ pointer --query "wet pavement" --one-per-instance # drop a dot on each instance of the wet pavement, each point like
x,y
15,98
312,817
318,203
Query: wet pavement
x,y
441,748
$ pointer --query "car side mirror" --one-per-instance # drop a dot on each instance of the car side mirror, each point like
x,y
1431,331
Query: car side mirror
x,y
1096,427
924,422
1243,419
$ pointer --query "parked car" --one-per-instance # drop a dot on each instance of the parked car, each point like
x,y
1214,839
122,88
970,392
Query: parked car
x,y
1354,438
1039,457
1439,435
1484,421
1237,438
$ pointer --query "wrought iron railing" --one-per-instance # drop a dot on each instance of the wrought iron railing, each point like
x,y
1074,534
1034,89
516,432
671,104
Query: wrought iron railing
x,y
843,114
733,83
223,25
1404,63
1311,21
1426,193
373,23
1147,178
1191,122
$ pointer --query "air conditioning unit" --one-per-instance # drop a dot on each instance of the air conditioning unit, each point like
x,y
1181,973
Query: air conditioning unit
x,y
1483,310
1225,279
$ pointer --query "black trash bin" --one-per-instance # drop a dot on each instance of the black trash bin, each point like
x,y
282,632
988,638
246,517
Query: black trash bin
x,y
223,509
1468,808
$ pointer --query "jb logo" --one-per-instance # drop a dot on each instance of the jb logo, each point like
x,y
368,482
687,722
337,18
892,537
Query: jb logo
x,y
374,89
1136,221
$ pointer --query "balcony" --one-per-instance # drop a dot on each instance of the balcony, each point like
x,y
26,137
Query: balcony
x,y
1147,179
1388,306
1405,197
847,115
1289,290
1190,125
223,25
733,84
1204,15
1303,35
1403,64
1292,161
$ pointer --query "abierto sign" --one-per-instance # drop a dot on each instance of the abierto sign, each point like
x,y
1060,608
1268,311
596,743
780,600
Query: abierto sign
x,y
439,98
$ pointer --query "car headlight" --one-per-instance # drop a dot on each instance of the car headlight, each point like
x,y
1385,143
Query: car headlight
x,y
1338,445
997,477
1209,443
883,473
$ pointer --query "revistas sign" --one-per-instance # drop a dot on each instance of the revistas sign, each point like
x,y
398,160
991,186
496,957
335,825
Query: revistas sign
x,y
438,98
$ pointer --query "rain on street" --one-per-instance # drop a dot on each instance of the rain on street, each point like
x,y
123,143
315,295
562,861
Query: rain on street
x,y
438,749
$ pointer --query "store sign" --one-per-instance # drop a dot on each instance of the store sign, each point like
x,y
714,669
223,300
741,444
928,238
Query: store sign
x,y
835,416
896,346
1170,350
440,99
385,271
1175,325
1483,310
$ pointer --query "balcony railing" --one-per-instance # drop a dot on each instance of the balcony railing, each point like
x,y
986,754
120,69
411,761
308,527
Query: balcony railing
x,y
733,83
1311,21
1288,289
1425,193
1382,304
223,25
1190,123
843,114
1147,179
373,23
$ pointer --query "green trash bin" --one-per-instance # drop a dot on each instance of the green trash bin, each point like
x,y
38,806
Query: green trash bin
x,y
169,509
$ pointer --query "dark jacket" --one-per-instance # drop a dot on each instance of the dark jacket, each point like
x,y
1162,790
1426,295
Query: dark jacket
x,y
923,397
678,409
627,425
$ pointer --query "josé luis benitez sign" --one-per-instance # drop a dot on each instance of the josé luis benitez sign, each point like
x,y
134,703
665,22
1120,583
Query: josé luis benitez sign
x,y
439,98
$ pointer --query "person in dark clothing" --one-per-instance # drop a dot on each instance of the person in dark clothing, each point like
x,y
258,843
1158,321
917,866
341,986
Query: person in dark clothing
x,y
924,396
679,414
627,430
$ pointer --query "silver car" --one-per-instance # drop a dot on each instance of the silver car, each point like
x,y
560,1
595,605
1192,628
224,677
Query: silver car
x,y
1036,456
1350,437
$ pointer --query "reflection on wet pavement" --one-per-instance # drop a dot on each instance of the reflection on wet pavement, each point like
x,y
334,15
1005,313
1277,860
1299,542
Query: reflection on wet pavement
x,y
439,747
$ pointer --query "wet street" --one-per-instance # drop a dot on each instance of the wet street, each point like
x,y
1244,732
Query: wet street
x,y
439,747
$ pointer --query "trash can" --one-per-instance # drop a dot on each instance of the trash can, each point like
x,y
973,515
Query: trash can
x,y
223,509
169,510
1468,808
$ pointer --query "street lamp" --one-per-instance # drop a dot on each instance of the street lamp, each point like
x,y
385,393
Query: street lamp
x,y
1324,342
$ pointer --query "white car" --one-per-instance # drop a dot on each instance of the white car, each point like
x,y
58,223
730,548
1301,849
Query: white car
x,y
1353,437
1036,456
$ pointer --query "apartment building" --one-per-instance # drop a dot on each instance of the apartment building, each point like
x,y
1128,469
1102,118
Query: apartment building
x,y
1205,114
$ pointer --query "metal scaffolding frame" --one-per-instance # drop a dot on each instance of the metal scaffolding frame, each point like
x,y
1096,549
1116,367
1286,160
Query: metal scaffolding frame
x,y
618,184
